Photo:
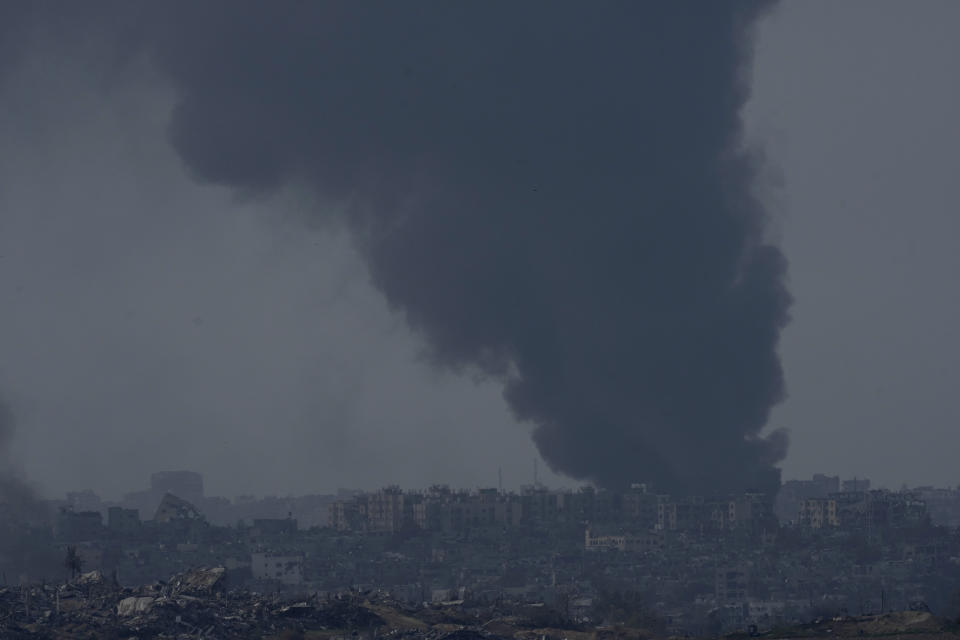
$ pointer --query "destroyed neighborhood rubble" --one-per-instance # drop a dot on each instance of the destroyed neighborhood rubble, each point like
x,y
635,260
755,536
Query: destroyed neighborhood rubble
x,y
195,604
134,605
191,604
199,581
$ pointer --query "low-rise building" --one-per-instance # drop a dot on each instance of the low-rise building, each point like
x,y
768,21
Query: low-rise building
x,y
631,542
286,569
123,521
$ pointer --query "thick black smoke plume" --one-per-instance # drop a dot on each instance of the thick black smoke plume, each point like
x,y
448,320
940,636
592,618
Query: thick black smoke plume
x,y
552,192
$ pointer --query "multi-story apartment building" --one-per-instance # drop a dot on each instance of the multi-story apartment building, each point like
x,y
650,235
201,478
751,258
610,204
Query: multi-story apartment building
x,y
818,513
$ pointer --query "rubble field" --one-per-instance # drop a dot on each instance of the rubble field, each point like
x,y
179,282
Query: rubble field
x,y
197,604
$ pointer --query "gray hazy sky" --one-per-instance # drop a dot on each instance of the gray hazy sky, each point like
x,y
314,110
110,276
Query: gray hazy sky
x,y
856,104
152,323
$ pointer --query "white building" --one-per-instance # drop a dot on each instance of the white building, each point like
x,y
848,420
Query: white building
x,y
285,569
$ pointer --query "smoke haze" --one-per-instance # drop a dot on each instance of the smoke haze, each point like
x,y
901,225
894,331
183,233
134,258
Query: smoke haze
x,y
553,196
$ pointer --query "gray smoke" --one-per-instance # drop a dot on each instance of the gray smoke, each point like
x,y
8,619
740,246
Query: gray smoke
x,y
16,496
25,551
554,194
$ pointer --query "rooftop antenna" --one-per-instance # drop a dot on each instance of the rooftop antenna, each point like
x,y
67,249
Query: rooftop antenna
x,y
500,479
536,481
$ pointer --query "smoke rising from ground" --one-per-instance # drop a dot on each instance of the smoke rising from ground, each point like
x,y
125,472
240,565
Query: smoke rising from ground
x,y
553,194
23,553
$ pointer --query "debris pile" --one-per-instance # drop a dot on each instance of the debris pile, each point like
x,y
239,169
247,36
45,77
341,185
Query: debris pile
x,y
198,604
193,604
915,623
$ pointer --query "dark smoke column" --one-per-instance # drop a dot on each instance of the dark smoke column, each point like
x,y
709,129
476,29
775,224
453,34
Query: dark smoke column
x,y
551,192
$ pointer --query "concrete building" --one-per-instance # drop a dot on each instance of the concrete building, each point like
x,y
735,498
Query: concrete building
x,y
286,569
639,506
732,585
686,514
123,521
855,485
787,503
818,513
347,515
273,527
78,526
385,510
175,508
869,511
943,505
621,541
85,500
